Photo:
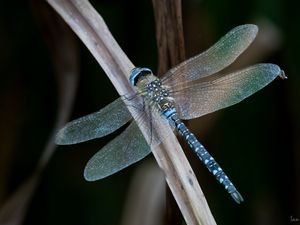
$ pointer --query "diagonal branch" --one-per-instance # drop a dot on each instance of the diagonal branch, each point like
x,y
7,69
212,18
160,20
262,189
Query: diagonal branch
x,y
91,29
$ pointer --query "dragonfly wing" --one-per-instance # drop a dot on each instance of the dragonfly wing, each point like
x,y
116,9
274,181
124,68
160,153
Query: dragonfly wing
x,y
220,91
126,149
155,126
216,58
94,125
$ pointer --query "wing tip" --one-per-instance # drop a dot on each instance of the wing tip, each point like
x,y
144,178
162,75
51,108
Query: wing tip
x,y
251,30
91,173
65,137
245,34
272,69
277,71
58,139
88,177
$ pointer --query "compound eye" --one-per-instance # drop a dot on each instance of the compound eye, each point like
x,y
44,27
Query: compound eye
x,y
137,73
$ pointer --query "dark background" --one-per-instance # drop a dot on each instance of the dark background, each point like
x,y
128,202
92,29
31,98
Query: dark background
x,y
256,141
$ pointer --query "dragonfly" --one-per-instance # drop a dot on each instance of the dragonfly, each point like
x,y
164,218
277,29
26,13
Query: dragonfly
x,y
191,89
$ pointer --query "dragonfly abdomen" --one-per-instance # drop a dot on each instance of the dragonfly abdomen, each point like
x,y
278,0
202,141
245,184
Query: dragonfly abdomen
x,y
206,158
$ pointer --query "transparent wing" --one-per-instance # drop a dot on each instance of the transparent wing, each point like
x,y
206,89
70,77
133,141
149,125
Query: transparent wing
x,y
156,128
126,149
94,125
212,93
216,58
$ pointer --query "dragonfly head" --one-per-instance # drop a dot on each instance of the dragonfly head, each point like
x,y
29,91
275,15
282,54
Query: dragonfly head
x,y
137,73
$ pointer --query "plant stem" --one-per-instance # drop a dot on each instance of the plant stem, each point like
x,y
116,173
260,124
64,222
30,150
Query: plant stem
x,y
91,29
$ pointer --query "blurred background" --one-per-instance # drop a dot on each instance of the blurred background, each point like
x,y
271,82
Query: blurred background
x,y
256,142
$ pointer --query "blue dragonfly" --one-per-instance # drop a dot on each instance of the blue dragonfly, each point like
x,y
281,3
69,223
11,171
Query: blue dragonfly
x,y
191,89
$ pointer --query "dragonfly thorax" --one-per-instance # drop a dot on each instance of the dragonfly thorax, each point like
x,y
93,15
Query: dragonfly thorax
x,y
157,95
153,91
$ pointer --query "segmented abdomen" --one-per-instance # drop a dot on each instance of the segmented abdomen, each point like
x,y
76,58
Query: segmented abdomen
x,y
206,158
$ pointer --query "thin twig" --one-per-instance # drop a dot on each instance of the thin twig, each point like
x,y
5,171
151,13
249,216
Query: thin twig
x,y
91,29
